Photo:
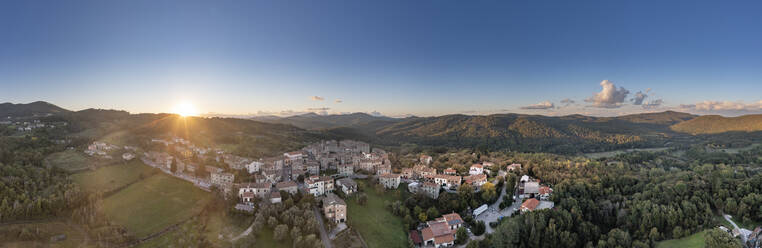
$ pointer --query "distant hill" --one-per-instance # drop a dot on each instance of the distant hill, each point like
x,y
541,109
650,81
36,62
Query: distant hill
x,y
314,121
565,134
38,108
713,124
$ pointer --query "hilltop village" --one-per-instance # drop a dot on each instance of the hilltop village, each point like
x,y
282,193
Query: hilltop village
x,y
329,171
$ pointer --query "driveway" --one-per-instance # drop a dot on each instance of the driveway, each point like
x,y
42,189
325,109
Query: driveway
x,y
323,233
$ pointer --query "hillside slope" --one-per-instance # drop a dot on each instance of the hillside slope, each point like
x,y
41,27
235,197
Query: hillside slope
x,y
565,134
38,108
314,121
712,124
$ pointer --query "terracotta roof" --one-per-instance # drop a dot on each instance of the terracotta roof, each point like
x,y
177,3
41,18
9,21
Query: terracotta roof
x,y
452,219
248,195
439,231
477,165
430,184
444,239
474,178
275,194
545,190
416,237
390,175
530,204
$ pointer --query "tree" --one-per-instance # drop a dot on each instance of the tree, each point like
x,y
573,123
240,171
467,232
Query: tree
x,y
280,232
717,238
461,235
677,232
488,192
272,222
422,217
479,228
432,212
173,165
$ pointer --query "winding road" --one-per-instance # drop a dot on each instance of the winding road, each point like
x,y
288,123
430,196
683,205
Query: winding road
x,y
323,233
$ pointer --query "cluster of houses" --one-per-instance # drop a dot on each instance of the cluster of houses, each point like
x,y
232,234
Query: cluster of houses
x,y
27,126
439,232
346,158
104,150
536,194
426,180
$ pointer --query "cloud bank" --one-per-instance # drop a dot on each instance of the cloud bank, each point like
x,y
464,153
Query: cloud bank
x,y
542,105
317,98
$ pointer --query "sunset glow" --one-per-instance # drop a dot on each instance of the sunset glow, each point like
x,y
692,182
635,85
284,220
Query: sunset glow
x,y
185,109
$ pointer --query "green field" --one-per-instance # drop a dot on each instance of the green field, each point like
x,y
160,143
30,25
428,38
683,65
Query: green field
x,y
154,203
112,177
70,160
265,239
377,225
694,241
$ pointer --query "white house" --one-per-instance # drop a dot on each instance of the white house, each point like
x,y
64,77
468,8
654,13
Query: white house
x,y
476,169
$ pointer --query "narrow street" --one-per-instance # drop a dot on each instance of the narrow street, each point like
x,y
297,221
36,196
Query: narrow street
x,y
323,232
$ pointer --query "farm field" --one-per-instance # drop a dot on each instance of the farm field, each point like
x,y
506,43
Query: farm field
x,y
377,225
112,177
153,204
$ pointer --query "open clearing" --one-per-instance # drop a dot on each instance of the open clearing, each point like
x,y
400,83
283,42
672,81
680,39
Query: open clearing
x,y
155,203
112,177
694,241
69,160
377,225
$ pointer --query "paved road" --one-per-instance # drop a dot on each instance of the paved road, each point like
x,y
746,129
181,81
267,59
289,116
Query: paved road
x,y
323,233
494,213
744,232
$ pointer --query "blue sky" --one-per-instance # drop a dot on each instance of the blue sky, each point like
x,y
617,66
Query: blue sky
x,y
393,57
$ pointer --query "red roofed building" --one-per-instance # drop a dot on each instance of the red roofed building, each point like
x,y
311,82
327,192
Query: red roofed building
x,y
450,171
438,234
476,180
545,192
529,205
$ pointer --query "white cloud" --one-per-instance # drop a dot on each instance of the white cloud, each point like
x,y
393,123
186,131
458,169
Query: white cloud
x,y
338,101
376,113
542,105
317,98
609,97
652,104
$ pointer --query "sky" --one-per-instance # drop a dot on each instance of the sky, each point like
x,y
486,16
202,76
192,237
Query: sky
x,y
394,58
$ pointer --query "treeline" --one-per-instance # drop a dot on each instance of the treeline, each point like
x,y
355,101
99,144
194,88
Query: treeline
x,y
29,189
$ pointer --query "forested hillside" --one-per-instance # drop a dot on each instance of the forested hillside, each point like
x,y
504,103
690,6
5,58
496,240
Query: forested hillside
x,y
711,124
567,134
316,122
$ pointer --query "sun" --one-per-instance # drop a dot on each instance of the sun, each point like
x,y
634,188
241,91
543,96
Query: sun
x,y
185,109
